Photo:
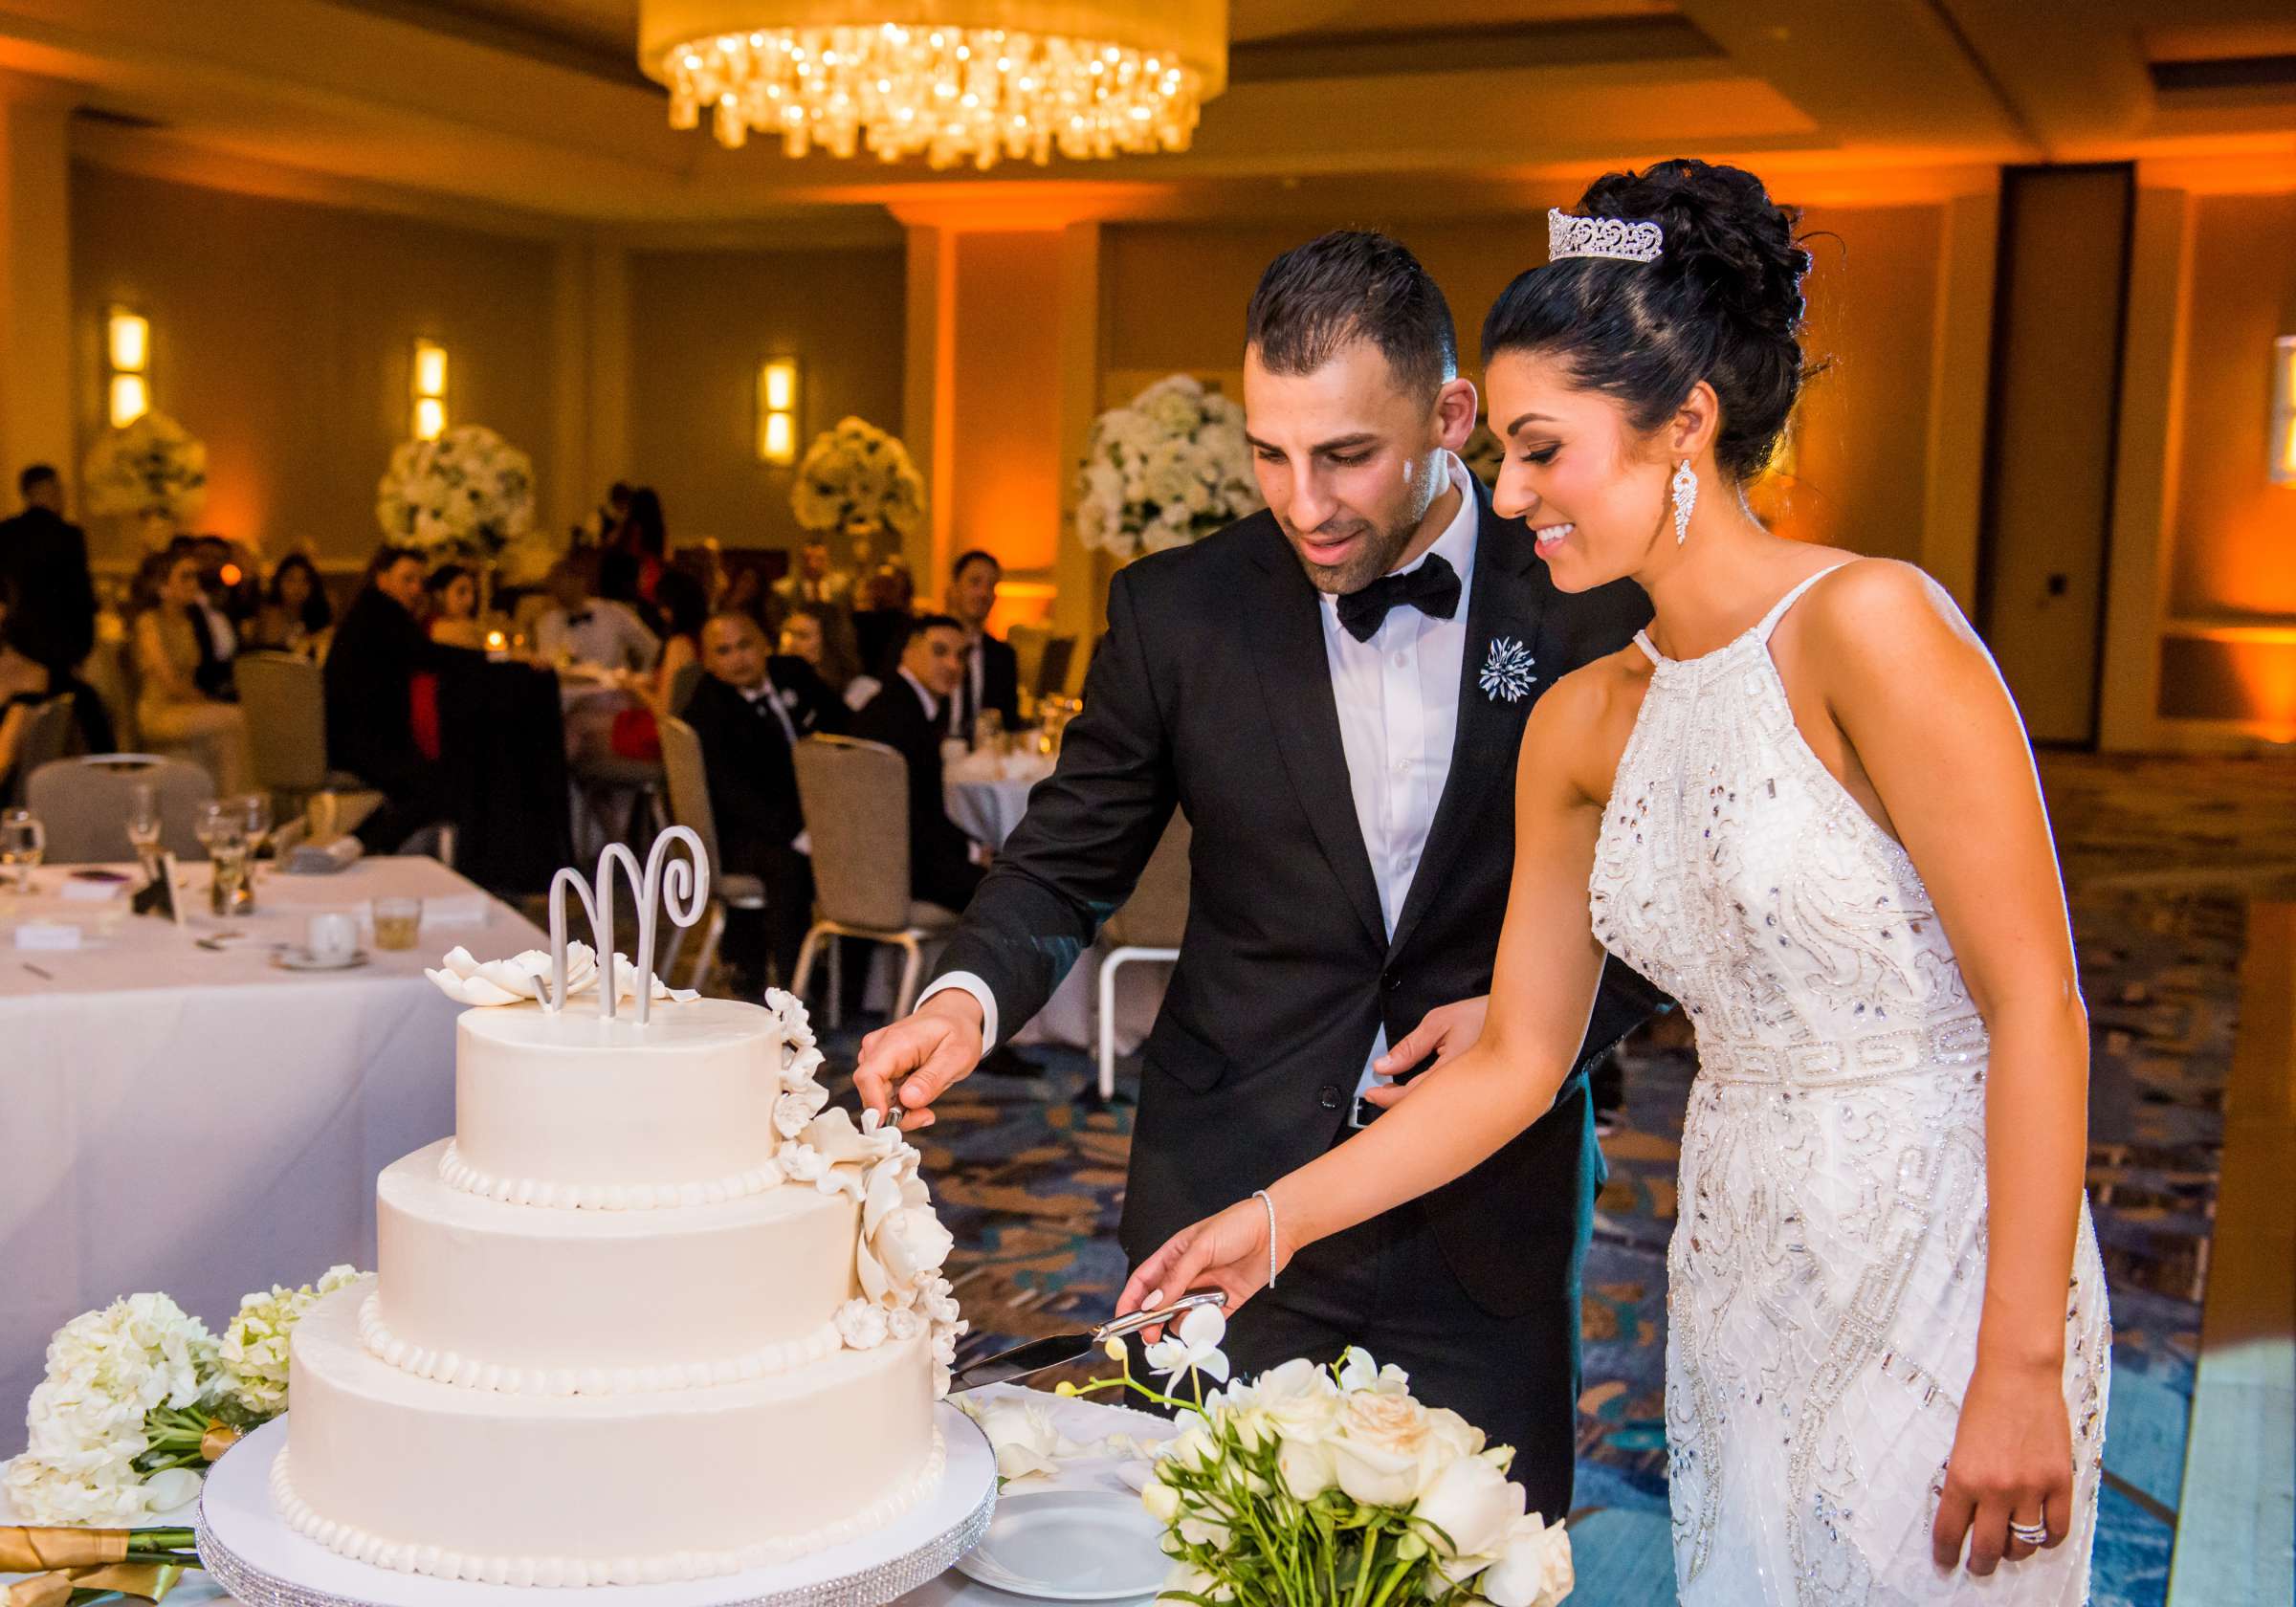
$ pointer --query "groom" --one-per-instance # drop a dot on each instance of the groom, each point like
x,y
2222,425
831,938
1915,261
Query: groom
x,y
1333,691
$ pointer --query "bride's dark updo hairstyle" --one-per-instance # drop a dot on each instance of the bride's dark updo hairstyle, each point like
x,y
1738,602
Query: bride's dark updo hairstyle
x,y
1722,304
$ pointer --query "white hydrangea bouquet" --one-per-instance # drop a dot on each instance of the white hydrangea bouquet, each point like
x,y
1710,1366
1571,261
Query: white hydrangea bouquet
x,y
140,1398
1330,1485
1169,469
857,475
467,491
151,468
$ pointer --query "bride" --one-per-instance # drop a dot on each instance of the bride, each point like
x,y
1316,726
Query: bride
x,y
1801,803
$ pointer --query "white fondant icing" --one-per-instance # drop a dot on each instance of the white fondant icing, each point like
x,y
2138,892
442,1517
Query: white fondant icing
x,y
456,1173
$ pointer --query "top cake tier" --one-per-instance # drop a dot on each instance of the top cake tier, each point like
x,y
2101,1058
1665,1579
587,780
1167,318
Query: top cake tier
x,y
571,1110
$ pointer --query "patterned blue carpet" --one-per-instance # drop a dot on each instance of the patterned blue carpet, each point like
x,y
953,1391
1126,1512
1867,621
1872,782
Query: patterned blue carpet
x,y
2157,853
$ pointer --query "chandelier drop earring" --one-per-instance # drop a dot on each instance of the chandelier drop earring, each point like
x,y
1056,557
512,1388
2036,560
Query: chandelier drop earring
x,y
1686,498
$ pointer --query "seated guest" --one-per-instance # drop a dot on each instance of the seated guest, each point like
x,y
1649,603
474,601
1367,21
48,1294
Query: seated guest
x,y
991,679
643,538
44,567
750,711
228,583
885,617
379,649
813,580
451,604
822,637
296,613
25,684
636,733
588,629
176,665
910,715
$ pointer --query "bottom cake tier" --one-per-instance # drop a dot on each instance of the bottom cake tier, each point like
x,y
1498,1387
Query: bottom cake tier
x,y
464,1483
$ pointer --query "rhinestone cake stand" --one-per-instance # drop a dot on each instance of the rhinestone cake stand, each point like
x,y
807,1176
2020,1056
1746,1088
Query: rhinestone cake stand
x,y
256,1557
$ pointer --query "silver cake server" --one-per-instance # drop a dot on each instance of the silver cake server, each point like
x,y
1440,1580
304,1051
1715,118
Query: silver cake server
x,y
1040,1353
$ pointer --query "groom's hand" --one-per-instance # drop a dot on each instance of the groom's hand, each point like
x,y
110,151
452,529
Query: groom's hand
x,y
907,1064
1447,1030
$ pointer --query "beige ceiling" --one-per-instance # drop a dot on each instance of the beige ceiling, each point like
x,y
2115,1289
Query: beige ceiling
x,y
531,113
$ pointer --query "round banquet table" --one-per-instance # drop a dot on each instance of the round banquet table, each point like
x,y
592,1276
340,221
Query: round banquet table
x,y
987,794
1085,1422
204,1122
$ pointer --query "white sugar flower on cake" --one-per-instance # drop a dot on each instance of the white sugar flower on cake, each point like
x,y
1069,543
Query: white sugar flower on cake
x,y
525,979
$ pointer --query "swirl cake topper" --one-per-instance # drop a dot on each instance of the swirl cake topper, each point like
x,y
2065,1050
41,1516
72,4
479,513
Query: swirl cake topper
x,y
679,886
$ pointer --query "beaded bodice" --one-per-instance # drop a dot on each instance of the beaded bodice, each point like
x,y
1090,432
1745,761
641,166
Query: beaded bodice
x,y
1737,875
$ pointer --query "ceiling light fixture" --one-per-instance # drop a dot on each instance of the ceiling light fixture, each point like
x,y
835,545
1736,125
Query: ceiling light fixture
x,y
957,81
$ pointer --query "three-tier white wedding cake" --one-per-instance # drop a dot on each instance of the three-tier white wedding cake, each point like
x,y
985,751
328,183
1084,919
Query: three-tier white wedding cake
x,y
651,1313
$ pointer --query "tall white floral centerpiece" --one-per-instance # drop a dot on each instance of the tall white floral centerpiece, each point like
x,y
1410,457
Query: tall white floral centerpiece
x,y
1169,469
152,471
468,492
858,479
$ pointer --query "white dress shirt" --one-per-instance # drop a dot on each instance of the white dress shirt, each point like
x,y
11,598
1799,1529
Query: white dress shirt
x,y
1398,697
607,633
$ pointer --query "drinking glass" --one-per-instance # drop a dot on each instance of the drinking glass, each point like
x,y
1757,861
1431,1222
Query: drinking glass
x,y
988,731
23,841
398,922
254,810
222,830
143,819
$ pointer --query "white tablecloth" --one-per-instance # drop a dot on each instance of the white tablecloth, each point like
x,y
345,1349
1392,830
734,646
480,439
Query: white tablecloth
x,y
986,795
1083,1421
204,1123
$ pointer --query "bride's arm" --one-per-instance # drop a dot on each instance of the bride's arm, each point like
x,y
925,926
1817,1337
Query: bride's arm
x,y
1464,1109
1926,713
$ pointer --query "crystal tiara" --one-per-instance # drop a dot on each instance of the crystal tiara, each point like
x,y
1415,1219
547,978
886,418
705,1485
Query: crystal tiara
x,y
1624,239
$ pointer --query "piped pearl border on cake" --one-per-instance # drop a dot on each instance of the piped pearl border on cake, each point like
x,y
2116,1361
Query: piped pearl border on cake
x,y
451,1367
440,1563
457,1173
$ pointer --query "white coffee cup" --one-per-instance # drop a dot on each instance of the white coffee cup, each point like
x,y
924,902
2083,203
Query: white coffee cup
x,y
332,937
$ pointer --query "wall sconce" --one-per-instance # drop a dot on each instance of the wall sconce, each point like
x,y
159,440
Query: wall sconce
x,y
430,390
2284,410
127,359
777,410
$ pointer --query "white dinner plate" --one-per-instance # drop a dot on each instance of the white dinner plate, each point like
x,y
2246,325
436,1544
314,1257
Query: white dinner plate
x,y
304,959
1071,1546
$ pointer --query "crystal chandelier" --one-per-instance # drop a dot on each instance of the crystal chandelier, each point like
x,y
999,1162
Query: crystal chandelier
x,y
956,80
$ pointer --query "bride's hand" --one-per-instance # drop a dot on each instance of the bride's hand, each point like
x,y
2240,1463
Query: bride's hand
x,y
1227,1252
2012,1464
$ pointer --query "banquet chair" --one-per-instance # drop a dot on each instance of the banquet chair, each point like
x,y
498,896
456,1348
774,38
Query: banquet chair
x,y
1148,927
83,804
287,734
683,685
1052,672
1028,643
46,732
687,780
855,798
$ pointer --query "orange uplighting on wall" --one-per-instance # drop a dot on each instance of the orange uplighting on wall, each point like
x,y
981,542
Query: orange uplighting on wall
x,y
430,390
127,355
2284,410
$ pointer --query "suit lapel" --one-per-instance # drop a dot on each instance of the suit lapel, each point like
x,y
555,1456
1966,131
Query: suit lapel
x,y
1295,679
1507,601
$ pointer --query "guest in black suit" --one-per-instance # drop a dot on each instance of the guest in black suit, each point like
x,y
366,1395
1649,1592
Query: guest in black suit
x,y
911,714
750,710
51,598
992,677
883,618
1309,685
370,674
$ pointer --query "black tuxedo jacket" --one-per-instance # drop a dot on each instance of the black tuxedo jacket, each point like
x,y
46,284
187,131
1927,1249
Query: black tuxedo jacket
x,y
44,585
1000,683
378,647
753,781
940,855
1212,691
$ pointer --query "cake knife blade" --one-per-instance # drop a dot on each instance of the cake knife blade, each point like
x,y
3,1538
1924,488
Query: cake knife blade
x,y
1040,1353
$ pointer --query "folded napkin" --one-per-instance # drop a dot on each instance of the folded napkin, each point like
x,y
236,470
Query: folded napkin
x,y
461,909
47,934
80,891
325,859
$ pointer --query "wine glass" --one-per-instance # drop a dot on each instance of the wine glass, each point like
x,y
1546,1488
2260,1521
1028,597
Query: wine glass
x,y
143,819
255,810
23,841
222,829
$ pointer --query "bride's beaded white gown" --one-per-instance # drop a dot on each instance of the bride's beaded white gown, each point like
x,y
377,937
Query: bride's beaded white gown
x,y
1828,1259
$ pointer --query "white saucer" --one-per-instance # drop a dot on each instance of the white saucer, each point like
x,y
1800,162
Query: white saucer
x,y
1071,1546
304,959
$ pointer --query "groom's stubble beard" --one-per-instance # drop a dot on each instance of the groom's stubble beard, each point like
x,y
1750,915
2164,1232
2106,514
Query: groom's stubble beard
x,y
1388,542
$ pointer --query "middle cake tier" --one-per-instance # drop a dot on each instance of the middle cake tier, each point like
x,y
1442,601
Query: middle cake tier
x,y
527,1300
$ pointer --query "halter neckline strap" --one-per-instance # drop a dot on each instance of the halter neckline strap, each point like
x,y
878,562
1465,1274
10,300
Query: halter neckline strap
x,y
1759,632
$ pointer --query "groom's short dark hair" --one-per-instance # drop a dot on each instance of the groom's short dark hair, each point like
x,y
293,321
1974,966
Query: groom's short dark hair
x,y
1352,285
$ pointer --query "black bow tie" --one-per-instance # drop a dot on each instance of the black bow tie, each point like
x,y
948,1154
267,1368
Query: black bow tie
x,y
582,617
1432,588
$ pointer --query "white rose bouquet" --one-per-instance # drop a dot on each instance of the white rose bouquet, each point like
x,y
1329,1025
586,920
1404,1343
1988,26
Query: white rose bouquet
x,y
857,475
152,467
469,491
1169,469
1332,1484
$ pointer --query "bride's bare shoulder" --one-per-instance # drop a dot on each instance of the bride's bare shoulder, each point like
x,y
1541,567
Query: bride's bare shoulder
x,y
1579,728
